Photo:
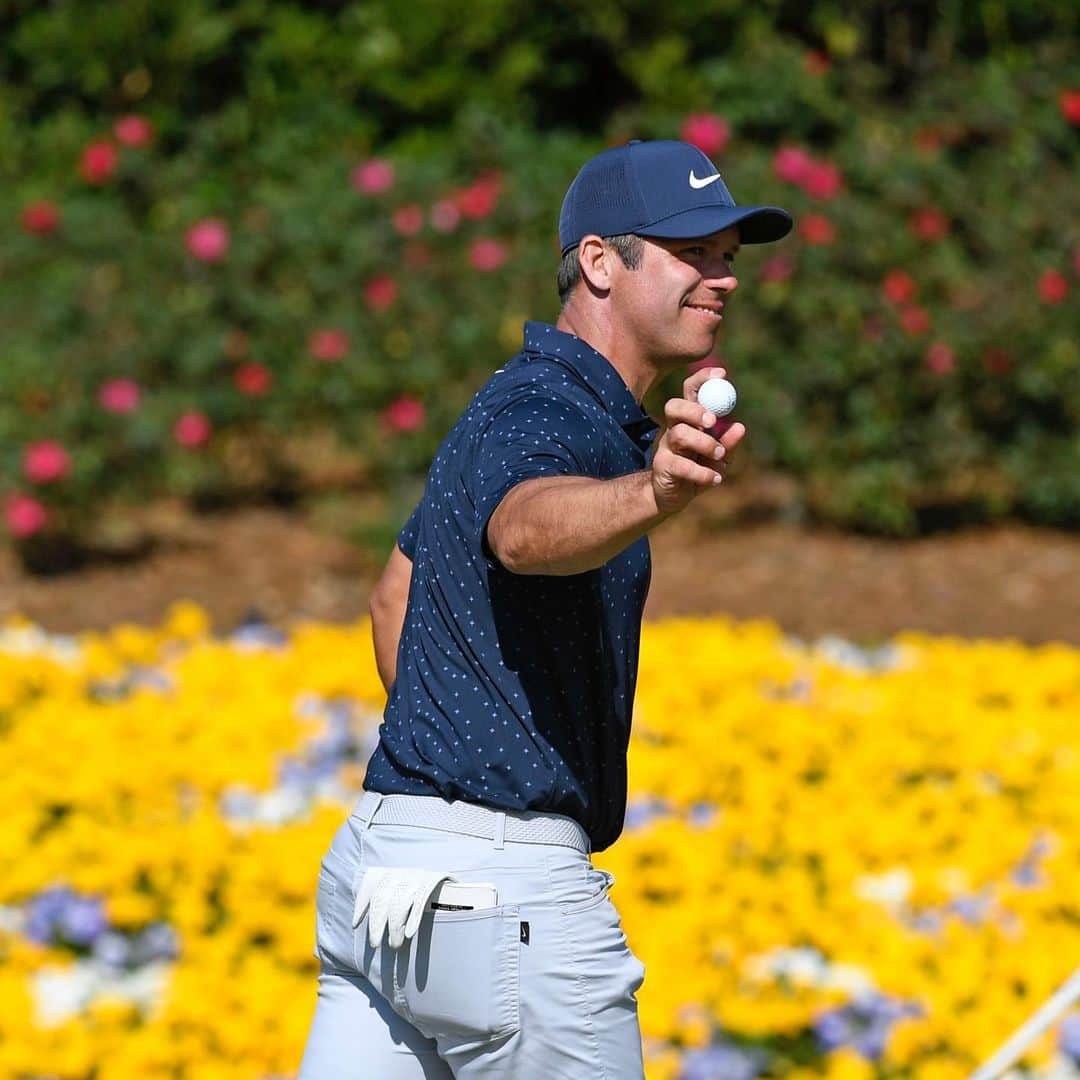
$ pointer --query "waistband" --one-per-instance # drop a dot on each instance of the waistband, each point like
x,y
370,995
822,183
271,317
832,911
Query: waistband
x,y
469,819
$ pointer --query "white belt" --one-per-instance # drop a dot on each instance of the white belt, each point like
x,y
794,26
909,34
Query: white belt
x,y
431,812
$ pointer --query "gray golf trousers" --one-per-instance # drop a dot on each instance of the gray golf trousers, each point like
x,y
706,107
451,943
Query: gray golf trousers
x,y
540,987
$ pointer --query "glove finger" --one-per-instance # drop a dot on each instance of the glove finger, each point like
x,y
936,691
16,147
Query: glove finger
x,y
378,914
363,899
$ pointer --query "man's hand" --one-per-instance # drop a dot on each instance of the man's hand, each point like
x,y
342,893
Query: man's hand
x,y
688,459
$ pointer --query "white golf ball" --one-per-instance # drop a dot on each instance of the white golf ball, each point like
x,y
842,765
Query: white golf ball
x,y
718,396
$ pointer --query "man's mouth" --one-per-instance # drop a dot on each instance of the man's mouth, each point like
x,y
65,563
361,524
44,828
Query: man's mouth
x,y
712,310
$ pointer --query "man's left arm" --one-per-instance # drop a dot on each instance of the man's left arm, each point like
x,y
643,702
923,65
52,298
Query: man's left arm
x,y
387,605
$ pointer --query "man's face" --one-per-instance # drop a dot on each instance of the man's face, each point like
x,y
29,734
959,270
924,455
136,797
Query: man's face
x,y
669,309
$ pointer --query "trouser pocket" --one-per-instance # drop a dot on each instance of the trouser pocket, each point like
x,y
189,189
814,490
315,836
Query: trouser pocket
x,y
460,975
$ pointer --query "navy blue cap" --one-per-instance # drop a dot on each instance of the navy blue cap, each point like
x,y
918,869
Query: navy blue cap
x,y
664,188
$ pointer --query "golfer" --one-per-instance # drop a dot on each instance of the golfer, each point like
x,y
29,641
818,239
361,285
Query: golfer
x,y
461,927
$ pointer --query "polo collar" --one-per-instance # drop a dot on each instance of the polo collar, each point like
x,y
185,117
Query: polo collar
x,y
596,371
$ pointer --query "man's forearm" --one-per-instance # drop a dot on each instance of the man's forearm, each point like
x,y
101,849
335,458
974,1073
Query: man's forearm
x,y
387,619
565,525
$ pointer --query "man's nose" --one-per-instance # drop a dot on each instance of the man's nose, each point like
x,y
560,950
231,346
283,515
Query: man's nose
x,y
721,277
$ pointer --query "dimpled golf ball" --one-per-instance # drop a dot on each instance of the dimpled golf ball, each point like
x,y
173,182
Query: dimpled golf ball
x,y
718,396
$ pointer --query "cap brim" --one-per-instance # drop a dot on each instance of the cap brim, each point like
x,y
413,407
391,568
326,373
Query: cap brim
x,y
757,224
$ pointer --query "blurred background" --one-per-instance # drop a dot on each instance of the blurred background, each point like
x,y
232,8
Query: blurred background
x,y
256,257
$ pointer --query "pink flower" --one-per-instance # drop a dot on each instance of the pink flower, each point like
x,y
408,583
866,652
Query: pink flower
x,y
98,161
817,229
929,224
1053,287
487,255
445,216
707,131
939,359
899,287
821,180
40,218
928,140
914,320
374,176
381,292
1069,103
778,268
192,430
119,396
329,344
132,130
24,515
252,379
478,200
409,220
791,164
45,461
997,361
208,240
815,62
404,414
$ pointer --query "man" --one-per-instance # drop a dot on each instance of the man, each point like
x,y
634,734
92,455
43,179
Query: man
x,y
462,929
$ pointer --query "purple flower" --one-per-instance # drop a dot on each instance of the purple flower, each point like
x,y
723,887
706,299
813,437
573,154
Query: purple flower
x,y
45,911
83,920
863,1024
703,814
721,1061
158,941
972,909
112,949
833,1029
1069,1036
641,811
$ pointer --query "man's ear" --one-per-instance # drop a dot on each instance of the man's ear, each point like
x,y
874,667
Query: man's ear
x,y
594,257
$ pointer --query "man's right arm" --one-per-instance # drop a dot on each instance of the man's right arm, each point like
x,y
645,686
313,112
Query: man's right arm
x,y
562,525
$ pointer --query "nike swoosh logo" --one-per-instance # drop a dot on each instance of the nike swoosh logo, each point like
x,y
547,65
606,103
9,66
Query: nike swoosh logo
x,y
698,184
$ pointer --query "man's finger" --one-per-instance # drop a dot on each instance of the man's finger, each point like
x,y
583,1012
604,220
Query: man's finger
x,y
693,382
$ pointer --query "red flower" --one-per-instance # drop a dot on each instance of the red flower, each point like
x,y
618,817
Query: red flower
x,y
98,161
1053,287
132,130
24,515
899,287
940,359
707,131
821,180
478,200
928,140
997,361
815,62
1069,103
791,163
409,220
445,216
374,176
417,254
487,255
192,430
929,224
208,240
404,414
252,379
40,218
778,268
119,396
914,320
817,229
380,292
328,344
45,461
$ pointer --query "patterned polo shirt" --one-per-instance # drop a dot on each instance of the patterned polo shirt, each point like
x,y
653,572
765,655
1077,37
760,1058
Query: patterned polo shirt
x,y
515,691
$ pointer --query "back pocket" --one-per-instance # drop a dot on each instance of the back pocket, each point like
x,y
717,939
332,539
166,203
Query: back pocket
x,y
460,975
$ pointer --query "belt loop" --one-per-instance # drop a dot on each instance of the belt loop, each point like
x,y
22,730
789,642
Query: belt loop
x,y
375,798
500,829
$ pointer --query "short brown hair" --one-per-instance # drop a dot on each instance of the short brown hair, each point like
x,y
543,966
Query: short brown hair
x,y
628,245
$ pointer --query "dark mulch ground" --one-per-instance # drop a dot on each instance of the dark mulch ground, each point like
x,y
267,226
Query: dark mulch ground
x,y
729,553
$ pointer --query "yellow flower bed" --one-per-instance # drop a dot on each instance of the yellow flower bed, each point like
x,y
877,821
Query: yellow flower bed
x,y
816,830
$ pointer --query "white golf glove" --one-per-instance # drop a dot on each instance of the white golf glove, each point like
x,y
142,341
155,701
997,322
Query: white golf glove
x,y
397,897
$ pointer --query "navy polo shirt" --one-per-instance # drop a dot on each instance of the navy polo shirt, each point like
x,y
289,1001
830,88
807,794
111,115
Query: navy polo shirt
x,y
515,691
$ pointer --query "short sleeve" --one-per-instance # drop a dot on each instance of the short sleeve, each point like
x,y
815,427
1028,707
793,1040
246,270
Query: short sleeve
x,y
537,435
406,538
